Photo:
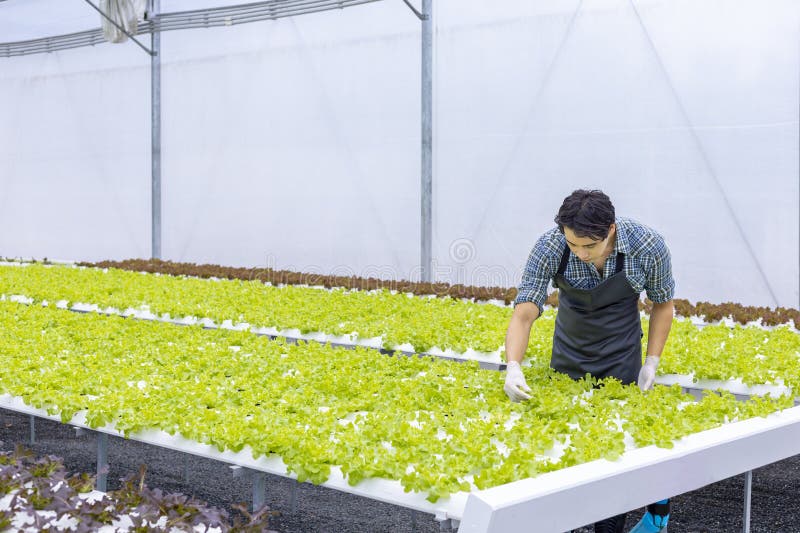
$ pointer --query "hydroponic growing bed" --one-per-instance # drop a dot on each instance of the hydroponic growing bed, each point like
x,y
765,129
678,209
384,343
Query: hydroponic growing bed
x,y
424,433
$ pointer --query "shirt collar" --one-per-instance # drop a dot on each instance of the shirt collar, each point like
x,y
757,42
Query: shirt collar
x,y
622,238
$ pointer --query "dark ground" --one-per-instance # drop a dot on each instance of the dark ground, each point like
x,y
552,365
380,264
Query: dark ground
x,y
716,508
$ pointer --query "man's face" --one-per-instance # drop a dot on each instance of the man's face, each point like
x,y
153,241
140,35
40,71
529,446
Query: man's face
x,y
587,249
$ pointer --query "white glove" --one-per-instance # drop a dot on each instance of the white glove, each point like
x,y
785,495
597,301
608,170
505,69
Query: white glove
x,y
515,383
647,375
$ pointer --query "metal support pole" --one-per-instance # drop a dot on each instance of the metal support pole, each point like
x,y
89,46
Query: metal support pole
x,y
413,521
426,192
155,128
186,468
293,498
259,490
445,524
748,487
33,430
102,462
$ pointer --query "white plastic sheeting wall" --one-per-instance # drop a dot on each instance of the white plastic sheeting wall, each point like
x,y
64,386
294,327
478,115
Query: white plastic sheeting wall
x,y
295,143
684,112
74,143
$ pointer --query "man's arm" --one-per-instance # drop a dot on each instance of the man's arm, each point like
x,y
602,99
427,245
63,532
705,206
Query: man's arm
x,y
519,330
660,287
542,264
660,324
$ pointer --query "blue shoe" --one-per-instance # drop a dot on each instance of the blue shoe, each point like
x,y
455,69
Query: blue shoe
x,y
655,519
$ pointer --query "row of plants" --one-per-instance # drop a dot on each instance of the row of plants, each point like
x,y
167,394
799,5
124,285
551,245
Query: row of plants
x,y
40,495
288,277
436,426
710,312
398,319
752,354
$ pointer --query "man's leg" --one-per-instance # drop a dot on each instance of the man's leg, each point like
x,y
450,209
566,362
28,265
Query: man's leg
x,y
615,524
655,519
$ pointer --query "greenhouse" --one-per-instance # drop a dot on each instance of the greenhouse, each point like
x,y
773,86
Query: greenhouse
x,y
357,263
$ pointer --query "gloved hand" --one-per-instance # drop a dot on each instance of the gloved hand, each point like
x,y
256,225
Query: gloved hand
x,y
516,386
647,375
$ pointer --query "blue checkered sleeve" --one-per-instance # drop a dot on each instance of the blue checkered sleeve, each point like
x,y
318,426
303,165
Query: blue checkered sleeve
x,y
659,283
539,270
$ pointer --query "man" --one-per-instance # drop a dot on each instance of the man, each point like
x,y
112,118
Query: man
x,y
600,264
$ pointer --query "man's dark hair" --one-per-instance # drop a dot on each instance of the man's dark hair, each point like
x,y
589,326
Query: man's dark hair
x,y
587,213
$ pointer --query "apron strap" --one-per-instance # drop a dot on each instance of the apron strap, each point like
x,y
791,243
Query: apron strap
x,y
620,262
564,260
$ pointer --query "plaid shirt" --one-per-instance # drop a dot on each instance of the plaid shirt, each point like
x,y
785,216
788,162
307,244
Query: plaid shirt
x,y
647,264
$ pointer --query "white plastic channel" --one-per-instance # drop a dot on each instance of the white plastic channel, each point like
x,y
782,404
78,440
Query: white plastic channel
x,y
491,360
487,359
383,490
547,503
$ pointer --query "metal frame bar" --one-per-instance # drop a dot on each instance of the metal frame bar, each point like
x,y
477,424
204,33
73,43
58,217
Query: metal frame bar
x,y
201,18
748,489
259,487
120,28
420,15
258,10
293,497
259,490
52,44
102,461
426,172
205,18
154,8
185,472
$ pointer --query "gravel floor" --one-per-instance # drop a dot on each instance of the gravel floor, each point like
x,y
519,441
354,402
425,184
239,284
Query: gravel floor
x,y
716,508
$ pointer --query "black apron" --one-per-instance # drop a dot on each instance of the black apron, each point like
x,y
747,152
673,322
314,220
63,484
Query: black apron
x,y
598,330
